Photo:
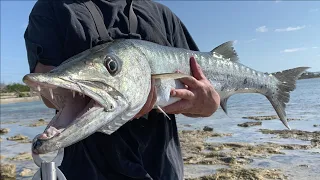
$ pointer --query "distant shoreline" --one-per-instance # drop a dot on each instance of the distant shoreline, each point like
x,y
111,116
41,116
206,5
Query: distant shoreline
x,y
302,78
19,99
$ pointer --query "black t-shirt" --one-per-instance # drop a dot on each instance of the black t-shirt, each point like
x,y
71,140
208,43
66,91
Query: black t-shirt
x,y
142,148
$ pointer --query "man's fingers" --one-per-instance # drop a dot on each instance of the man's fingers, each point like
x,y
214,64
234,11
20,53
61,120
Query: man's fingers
x,y
190,82
148,106
196,69
152,98
191,115
182,93
177,107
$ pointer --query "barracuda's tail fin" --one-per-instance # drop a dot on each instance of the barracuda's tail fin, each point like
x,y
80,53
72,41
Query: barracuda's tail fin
x,y
287,82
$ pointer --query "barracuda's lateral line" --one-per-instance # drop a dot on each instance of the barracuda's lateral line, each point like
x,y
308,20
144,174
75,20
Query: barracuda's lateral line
x,y
113,82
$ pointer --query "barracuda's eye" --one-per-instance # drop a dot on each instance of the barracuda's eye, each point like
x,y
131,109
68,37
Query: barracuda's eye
x,y
111,65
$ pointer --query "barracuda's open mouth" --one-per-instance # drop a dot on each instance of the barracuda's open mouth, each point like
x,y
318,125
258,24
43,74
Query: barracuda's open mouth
x,y
72,106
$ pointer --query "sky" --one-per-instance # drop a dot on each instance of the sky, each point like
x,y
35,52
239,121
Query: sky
x,y
269,36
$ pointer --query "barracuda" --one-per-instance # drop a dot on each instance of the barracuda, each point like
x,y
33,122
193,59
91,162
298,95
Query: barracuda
x,y
102,88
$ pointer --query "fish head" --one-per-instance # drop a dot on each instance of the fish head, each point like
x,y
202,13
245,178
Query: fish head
x,y
90,90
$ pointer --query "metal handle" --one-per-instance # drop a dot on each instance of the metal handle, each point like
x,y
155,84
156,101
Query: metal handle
x,y
48,171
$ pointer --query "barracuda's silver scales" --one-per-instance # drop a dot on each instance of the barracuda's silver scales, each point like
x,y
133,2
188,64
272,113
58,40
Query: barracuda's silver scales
x,y
115,79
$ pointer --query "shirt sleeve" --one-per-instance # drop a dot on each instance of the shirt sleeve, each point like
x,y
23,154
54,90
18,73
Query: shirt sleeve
x,y
182,37
177,33
42,40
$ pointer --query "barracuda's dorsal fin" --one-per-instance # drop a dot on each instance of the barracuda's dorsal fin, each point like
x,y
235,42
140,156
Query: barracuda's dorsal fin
x,y
227,51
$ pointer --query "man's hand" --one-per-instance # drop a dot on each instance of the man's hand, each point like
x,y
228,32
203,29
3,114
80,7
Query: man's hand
x,y
199,99
152,98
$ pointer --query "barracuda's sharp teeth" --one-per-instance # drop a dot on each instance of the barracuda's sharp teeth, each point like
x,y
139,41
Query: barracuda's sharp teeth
x,y
73,94
39,88
80,94
51,93
83,95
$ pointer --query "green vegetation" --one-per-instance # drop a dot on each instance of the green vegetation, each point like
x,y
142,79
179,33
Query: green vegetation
x,y
14,88
23,94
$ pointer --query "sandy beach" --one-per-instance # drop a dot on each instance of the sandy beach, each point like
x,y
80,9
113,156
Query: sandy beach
x,y
10,98
21,99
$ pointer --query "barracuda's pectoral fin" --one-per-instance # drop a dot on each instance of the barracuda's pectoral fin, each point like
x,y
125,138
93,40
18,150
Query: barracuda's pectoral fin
x,y
223,104
170,76
227,51
161,110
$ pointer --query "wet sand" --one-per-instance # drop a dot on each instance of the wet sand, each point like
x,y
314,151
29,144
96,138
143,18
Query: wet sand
x,y
235,156
243,174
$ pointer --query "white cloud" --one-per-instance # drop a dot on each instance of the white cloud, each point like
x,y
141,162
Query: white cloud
x,y
315,47
262,29
313,10
293,50
235,42
277,1
290,29
251,40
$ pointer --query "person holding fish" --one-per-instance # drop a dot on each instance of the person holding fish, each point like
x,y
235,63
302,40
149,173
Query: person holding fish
x,y
148,146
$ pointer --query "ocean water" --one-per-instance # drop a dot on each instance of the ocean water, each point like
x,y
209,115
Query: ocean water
x,y
304,104
25,111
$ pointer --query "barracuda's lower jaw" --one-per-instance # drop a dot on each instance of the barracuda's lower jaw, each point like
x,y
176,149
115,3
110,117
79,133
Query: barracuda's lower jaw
x,y
79,116
61,132
72,113
76,109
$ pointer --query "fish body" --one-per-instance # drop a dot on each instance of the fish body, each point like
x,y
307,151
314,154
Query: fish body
x,y
114,80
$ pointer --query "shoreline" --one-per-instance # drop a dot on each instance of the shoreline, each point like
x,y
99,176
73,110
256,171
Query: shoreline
x,y
21,99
